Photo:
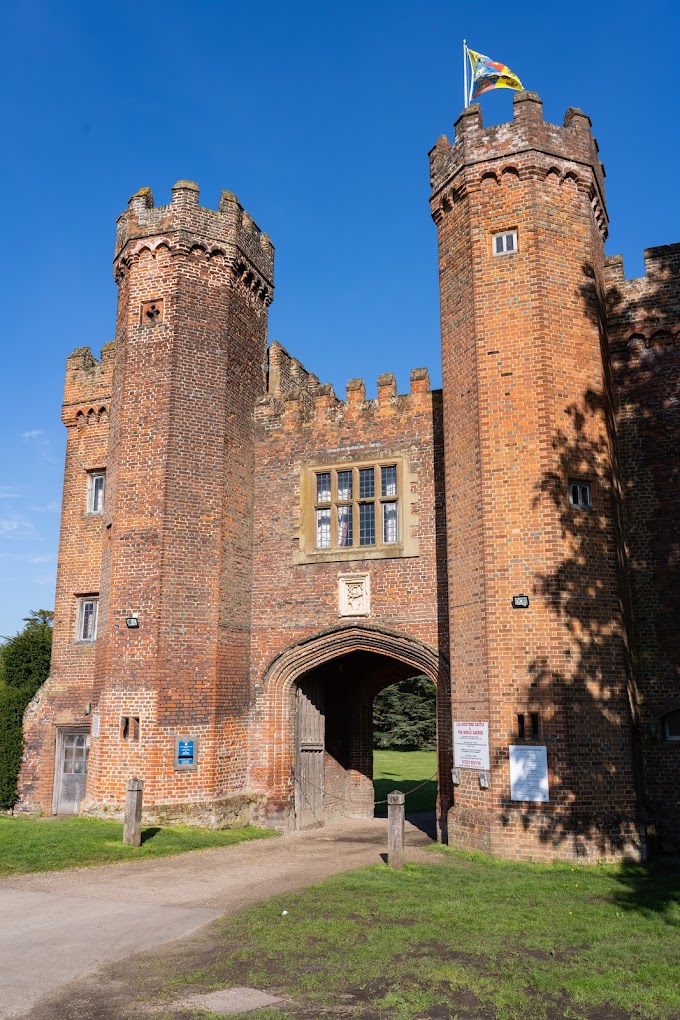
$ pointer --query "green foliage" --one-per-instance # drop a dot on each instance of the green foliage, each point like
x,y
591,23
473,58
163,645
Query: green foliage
x,y
24,667
404,716
12,705
35,844
25,660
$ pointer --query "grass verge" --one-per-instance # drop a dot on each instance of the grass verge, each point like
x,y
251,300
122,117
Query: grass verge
x,y
463,937
404,770
35,844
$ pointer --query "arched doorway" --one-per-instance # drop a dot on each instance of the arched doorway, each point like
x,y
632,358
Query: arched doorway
x,y
322,691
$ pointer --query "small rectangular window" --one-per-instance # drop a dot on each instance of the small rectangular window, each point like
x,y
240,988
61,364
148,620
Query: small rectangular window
x,y
534,724
388,480
366,483
344,526
323,487
87,619
129,727
521,731
96,481
323,528
505,243
344,485
367,524
390,523
580,494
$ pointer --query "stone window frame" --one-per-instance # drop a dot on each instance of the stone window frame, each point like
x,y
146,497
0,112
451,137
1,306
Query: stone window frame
x,y
407,544
82,601
92,492
502,236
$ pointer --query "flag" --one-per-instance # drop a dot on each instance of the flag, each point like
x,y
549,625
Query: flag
x,y
489,74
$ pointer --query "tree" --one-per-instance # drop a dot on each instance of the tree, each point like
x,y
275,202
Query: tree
x,y
404,716
24,667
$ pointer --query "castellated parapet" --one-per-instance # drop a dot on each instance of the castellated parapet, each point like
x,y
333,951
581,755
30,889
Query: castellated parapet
x,y
262,557
558,153
295,397
184,225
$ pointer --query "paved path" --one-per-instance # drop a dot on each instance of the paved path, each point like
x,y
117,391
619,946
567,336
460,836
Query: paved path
x,y
58,926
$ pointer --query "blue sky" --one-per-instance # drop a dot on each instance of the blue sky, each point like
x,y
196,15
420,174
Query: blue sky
x,y
319,116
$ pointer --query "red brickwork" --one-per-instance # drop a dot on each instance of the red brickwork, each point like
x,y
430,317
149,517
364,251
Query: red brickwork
x,y
525,412
207,535
644,336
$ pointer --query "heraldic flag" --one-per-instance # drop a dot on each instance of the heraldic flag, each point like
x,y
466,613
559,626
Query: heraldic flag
x,y
489,74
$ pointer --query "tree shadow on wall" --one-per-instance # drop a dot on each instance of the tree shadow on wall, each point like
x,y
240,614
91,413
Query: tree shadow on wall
x,y
615,592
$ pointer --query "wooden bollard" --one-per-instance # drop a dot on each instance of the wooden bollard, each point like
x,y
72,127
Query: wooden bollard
x,y
395,829
132,827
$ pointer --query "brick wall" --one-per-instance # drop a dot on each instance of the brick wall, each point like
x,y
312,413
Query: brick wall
x,y
643,321
525,410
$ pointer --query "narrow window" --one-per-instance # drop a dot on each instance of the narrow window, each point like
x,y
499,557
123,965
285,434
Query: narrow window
x,y
366,483
95,492
323,487
87,619
323,528
390,525
534,724
580,494
672,725
344,526
505,243
129,727
521,732
366,523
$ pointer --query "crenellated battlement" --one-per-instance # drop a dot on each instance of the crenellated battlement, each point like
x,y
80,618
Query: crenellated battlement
x,y
185,225
295,397
526,147
87,388
648,306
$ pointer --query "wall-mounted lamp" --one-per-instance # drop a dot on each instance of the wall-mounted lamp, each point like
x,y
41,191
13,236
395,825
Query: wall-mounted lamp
x,y
520,601
455,777
484,780
88,708
132,622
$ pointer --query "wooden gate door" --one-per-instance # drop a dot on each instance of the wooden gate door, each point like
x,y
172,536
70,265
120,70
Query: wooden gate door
x,y
71,774
309,758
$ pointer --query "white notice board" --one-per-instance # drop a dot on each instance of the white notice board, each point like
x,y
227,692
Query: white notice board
x,y
529,773
471,745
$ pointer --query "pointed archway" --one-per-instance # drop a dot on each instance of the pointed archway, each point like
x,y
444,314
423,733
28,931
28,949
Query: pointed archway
x,y
317,703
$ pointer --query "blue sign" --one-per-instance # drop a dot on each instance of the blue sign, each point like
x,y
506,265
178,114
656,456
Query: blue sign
x,y
185,752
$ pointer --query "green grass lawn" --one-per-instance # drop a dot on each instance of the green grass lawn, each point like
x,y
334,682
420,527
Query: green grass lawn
x,y
403,770
35,844
463,937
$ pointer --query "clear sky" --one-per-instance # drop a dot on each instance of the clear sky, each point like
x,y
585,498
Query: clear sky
x,y
319,116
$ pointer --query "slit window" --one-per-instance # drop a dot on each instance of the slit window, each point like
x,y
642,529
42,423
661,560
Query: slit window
x,y
87,619
505,243
580,494
96,481
129,727
671,725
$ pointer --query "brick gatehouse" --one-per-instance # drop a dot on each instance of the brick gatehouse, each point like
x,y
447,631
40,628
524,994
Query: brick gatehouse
x,y
246,559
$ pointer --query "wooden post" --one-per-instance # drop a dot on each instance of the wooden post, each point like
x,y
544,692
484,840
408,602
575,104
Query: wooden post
x,y
395,829
132,828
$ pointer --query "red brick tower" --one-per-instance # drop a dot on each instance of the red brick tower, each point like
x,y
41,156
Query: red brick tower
x,y
531,490
194,288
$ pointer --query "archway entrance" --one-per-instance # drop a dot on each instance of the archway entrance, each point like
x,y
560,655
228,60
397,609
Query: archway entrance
x,y
333,736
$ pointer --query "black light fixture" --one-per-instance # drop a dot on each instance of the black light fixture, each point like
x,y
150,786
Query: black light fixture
x,y
520,601
131,622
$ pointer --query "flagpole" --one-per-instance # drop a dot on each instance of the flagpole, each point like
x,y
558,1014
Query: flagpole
x,y
465,75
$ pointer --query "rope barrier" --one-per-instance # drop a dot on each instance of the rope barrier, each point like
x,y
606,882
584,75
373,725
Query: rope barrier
x,y
339,800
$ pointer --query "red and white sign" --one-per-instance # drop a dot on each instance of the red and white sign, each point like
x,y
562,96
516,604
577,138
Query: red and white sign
x,y
471,745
